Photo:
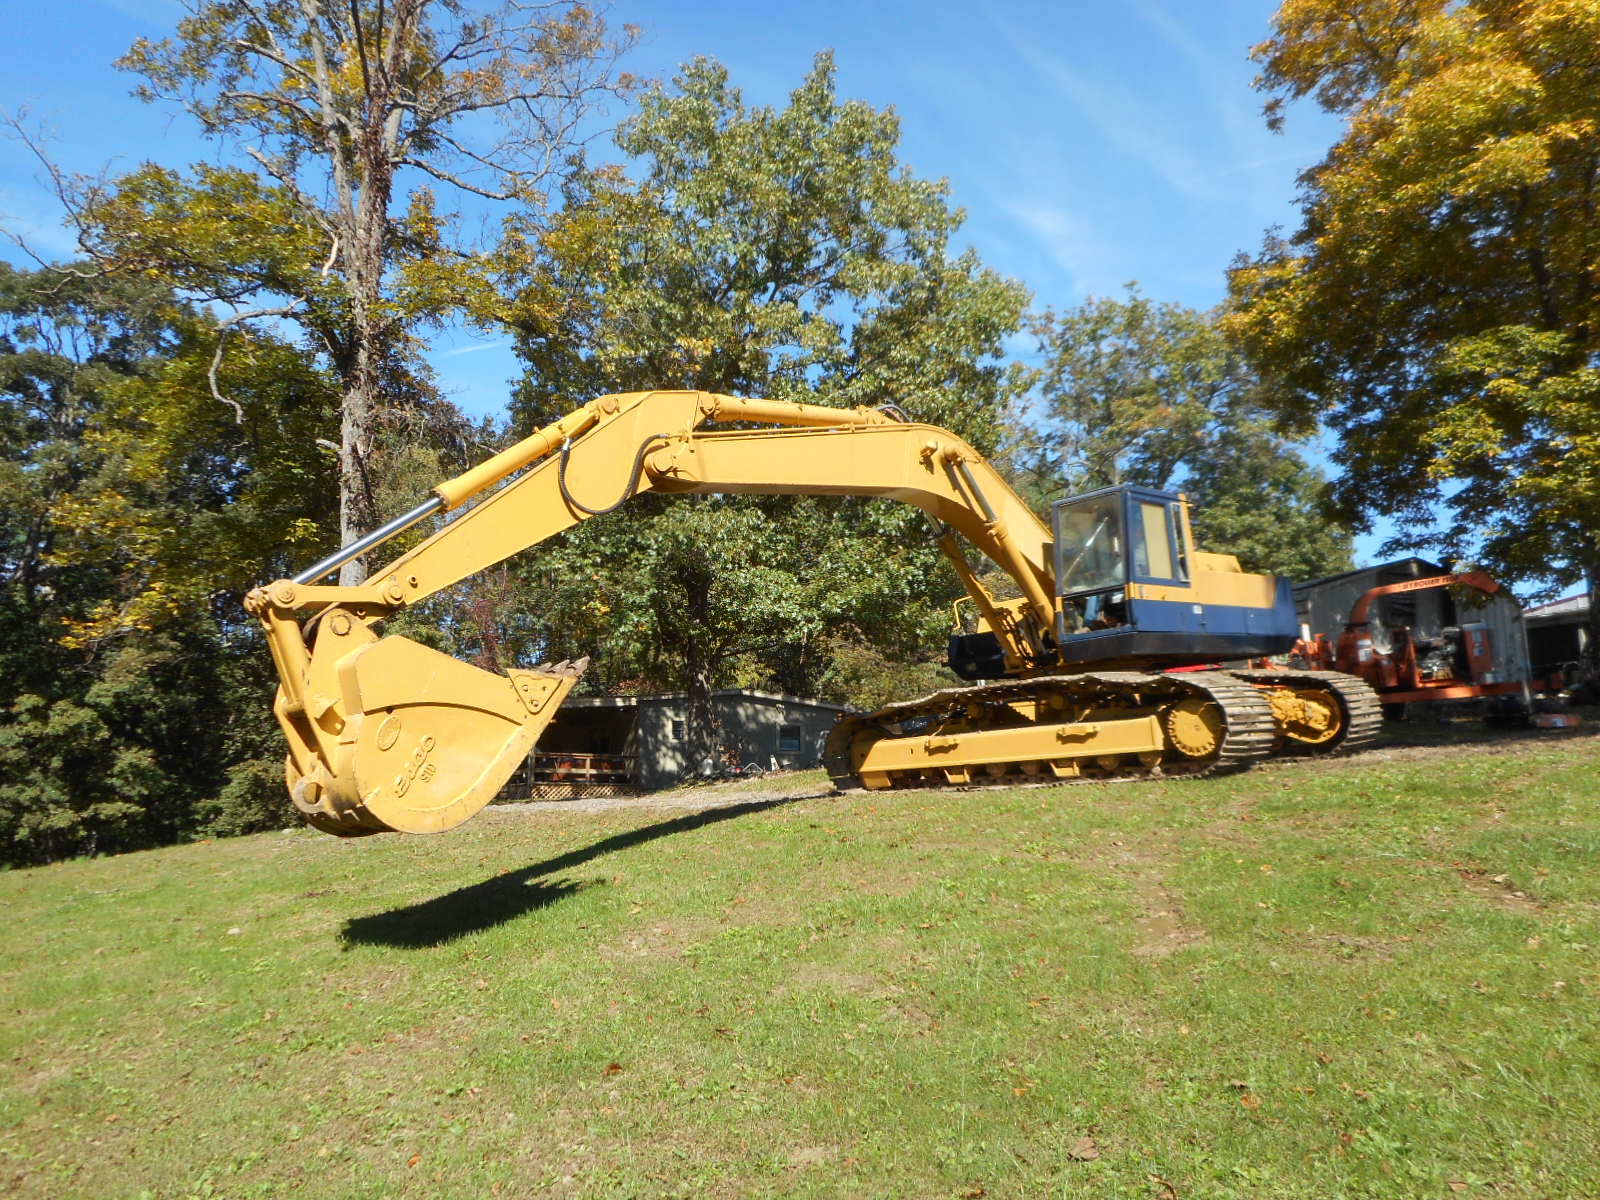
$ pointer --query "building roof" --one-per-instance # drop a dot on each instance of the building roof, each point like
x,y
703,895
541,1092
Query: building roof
x,y
1427,568
654,697
1570,606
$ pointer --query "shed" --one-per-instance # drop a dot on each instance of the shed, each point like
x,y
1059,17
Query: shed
x,y
1558,634
1323,606
640,743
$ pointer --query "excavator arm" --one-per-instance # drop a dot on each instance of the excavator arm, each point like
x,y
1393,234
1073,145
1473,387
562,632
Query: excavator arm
x,y
387,734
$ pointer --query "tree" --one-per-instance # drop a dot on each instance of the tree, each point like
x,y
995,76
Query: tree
x,y
188,505
1254,496
338,108
1132,391
138,513
1437,308
1129,392
767,252
64,343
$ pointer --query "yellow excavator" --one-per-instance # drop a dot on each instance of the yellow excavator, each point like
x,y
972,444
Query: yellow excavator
x,y
1102,667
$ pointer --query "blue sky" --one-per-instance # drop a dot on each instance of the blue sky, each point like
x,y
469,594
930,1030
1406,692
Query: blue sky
x,y
1090,143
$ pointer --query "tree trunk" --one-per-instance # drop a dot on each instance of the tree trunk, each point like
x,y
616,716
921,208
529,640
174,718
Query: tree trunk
x,y
702,727
366,253
355,494
1591,627
358,409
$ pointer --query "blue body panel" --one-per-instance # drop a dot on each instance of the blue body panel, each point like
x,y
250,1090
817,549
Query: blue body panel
x,y
1179,616
1156,634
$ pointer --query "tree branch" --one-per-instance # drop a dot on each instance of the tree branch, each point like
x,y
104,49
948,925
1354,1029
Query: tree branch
x,y
275,56
333,255
444,176
63,189
361,46
286,179
224,328
312,11
282,56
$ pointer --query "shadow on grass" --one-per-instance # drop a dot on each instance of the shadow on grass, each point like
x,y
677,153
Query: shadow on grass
x,y
502,898
1464,725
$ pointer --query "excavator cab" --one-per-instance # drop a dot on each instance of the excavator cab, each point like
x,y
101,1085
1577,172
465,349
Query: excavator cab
x,y
1130,585
1132,589
1091,556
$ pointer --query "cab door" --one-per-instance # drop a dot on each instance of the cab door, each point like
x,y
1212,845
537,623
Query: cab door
x,y
1155,536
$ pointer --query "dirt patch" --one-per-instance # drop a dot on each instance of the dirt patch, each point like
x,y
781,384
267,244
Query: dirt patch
x,y
1501,889
699,799
919,1020
655,941
1349,945
1161,926
1160,931
892,886
822,976
813,1156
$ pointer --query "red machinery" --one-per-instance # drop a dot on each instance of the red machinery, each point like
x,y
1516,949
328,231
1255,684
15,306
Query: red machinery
x,y
1401,667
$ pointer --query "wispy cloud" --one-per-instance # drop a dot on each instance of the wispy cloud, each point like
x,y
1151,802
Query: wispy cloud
x,y
1157,138
1071,245
1262,163
1212,73
1119,116
1160,21
476,348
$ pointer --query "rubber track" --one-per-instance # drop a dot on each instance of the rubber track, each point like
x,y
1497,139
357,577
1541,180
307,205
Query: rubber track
x,y
1247,715
1363,710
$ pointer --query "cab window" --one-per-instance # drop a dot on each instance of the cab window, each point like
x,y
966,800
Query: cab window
x,y
1089,537
1152,544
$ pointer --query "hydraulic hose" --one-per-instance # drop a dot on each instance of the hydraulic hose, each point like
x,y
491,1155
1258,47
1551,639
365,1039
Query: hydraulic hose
x,y
629,489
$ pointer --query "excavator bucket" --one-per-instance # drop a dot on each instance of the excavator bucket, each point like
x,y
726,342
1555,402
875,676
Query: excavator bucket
x,y
426,741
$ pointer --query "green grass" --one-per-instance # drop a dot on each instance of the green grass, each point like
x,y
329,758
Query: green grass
x,y
1371,978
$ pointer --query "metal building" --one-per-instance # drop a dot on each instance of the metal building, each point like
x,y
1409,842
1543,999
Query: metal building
x,y
618,744
1558,635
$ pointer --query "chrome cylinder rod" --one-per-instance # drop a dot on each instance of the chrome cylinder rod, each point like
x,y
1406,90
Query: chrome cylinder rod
x,y
376,538
975,491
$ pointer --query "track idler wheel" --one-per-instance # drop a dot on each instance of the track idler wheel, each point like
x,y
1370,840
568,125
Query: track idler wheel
x,y
1318,712
1196,727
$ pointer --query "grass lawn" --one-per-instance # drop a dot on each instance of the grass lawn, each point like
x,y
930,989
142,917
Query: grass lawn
x,y
1374,977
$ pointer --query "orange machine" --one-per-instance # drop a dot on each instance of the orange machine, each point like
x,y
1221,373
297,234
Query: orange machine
x,y
1402,667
